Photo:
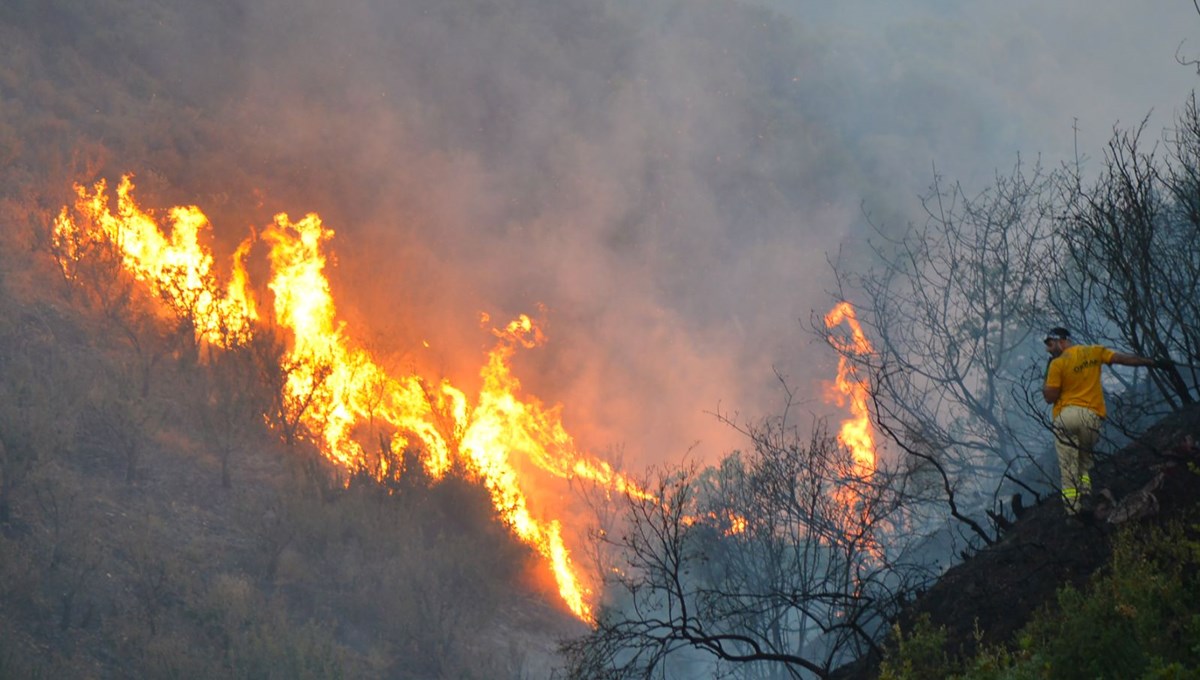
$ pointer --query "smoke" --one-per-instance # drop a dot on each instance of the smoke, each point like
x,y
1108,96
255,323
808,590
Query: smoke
x,y
661,181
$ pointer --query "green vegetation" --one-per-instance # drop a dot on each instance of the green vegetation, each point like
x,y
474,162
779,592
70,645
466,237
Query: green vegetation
x,y
1139,618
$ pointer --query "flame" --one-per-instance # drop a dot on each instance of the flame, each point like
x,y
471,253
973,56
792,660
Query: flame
x,y
177,268
333,388
849,390
729,522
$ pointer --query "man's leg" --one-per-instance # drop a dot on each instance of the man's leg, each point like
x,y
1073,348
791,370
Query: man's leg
x,y
1088,434
1076,431
1068,464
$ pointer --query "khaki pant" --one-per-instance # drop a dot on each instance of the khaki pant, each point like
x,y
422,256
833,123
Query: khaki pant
x,y
1076,431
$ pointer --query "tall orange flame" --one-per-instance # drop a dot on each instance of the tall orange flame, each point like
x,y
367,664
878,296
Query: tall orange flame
x,y
851,391
336,387
177,268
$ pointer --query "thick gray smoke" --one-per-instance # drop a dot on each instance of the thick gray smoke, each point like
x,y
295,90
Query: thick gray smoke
x,y
666,177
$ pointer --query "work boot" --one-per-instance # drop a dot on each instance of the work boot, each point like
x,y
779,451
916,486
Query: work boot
x,y
1087,509
1070,512
1105,502
1087,506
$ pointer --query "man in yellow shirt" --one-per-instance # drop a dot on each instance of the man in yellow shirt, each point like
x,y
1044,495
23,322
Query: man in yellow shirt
x,y
1073,387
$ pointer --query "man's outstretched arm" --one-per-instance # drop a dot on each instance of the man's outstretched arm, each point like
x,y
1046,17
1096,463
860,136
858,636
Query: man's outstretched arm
x,y
1135,360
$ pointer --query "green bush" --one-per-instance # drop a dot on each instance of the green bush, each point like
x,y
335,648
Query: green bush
x,y
1140,618
918,654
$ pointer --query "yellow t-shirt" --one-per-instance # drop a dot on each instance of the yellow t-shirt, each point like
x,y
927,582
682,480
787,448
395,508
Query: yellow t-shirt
x,y
1077,373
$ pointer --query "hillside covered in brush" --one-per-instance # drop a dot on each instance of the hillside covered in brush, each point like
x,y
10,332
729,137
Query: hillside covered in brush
x,y
283,287
153,522
151,525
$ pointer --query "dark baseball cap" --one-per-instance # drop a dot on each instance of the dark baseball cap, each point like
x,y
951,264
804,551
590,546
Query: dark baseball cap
x,y
1057,333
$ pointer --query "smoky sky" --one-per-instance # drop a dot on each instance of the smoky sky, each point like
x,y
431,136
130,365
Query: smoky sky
x,y
660,181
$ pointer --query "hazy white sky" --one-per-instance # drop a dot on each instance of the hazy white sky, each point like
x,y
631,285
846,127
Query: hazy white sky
x,y
1031,68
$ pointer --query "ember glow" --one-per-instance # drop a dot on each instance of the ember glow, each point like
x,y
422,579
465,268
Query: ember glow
x,y
335,389
849,390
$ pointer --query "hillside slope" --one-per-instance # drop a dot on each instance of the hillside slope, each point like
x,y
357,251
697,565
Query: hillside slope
x,y
990,596
131,547
150,524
